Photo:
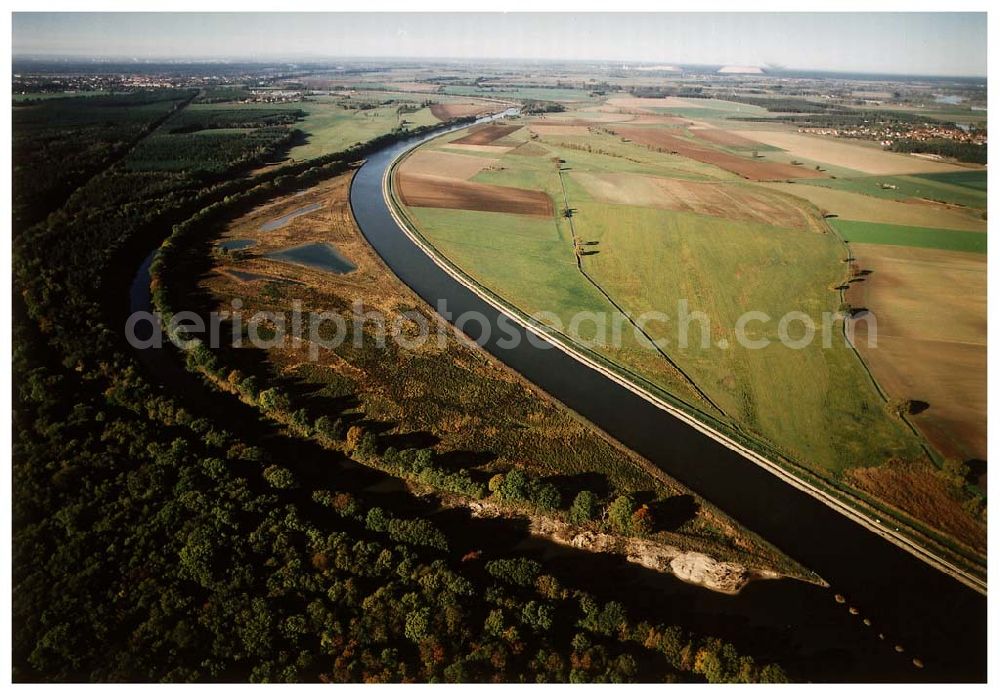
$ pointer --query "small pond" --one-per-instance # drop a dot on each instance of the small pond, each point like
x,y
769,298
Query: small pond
x,y
235,244
317,255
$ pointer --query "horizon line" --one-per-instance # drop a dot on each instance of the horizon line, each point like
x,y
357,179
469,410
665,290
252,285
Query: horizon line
x,y
192,60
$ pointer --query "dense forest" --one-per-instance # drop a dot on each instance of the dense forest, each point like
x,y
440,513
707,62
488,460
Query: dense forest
x,y
60,143
158,537
963,152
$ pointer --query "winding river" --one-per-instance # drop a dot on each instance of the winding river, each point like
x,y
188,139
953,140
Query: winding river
x,y
928,614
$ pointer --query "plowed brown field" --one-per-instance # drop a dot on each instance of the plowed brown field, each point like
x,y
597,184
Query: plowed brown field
x,y
486,135
747,168
446,112
442,192
930,308
717,136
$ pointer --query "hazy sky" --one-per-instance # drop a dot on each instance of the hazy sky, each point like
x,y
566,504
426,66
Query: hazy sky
x,y
930,44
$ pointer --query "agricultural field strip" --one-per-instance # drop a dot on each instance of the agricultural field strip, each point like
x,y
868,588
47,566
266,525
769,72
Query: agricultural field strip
x,y
872,160
543,333
848,205
579,265
867,377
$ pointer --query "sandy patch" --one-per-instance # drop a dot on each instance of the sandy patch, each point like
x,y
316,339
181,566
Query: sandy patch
x,y
840,153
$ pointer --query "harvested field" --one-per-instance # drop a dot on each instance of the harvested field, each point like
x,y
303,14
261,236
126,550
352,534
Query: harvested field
x,y
919,491
439,163
717,136
485,135
487,149
847,205
600,115
414,86
531,150
930,307
754,170
735,202
441,192
869,159
570,128
446,112
651,103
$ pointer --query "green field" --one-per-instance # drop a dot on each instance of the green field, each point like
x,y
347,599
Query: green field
x,y
331,127
935,187
903,235
45,96
974,178
816,404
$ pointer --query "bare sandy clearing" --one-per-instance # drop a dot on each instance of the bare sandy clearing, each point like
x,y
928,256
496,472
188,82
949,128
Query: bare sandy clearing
x,y
857,206
840,153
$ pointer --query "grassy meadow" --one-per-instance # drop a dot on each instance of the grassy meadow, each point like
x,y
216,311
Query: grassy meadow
x,y
816,405
904,235
901,188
